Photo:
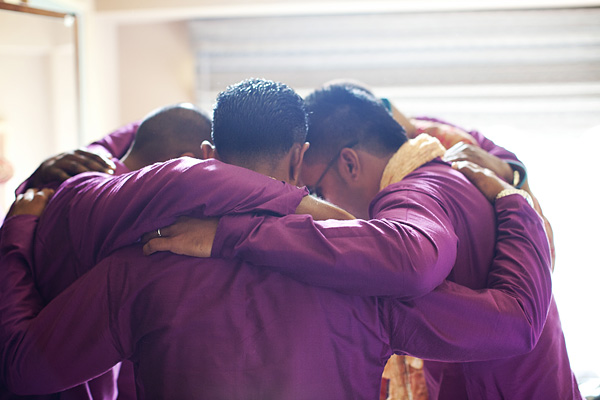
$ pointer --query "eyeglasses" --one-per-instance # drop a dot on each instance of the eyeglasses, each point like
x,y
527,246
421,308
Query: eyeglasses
x,y
316,187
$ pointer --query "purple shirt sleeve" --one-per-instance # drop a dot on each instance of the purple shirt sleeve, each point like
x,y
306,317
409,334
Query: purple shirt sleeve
x,y
454,322
121,209
52,350
406,252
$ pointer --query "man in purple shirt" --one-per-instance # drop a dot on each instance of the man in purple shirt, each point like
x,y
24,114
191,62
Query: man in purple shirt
x,y
523,335
427,224
226,329
93,214
166,133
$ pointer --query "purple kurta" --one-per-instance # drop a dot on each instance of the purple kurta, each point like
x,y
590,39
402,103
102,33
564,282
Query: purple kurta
x,y
224,329
421,227
93,214
430,226
547,365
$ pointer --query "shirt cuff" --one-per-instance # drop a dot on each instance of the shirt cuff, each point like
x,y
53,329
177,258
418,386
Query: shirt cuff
x,y
230,230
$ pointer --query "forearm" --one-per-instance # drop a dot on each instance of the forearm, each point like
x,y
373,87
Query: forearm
x,y
321,210
377,257
454,323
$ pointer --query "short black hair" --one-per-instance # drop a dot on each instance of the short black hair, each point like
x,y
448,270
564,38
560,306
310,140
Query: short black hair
x,y
170,131
340,114
257,120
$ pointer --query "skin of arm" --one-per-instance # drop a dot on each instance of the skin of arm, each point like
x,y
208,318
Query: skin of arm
x,y
321,210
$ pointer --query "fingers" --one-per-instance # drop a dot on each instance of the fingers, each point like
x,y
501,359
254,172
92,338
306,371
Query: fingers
x,y
32,202
164,232
81,161
156,244
37,195
188,236
457,148
96,162
167,231
457,152
474,171
467,168
66,165
485,180
47,193
59,174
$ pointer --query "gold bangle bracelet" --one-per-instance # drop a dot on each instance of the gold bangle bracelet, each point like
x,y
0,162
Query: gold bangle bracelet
x,y
508,192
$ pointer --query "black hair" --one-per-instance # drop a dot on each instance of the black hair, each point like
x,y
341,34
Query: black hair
x,y
171,131
257,120
340,114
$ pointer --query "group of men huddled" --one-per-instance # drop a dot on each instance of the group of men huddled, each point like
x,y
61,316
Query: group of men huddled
x,y
179,258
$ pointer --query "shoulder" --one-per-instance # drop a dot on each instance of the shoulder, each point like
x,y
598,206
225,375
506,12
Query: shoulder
x,y
430,179
435,185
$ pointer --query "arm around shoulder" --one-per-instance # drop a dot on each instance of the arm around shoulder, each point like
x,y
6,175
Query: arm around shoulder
x,y
455,323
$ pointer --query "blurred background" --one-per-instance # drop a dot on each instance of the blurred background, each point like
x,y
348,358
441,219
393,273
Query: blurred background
x,y
526,73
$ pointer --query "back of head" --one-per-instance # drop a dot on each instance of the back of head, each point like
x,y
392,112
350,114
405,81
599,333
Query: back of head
x,y
344,114
257,121
169,132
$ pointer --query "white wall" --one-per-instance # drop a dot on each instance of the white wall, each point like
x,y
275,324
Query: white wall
x,y
37,105
155,67
24,110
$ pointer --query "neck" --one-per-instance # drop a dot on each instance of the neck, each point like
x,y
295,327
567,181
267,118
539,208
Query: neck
x,y
279,172
378,165
132,162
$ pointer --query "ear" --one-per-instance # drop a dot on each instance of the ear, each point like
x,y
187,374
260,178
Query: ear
x,y
298,151
208,150
349,166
